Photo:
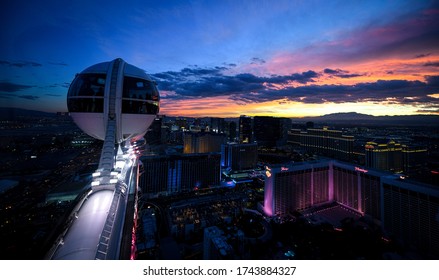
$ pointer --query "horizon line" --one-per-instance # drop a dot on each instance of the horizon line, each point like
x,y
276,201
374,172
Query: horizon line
x,y
253,115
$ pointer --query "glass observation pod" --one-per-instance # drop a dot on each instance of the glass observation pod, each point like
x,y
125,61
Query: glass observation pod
x,y
113,90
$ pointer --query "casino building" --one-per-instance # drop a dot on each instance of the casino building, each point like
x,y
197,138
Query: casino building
x,y
405,209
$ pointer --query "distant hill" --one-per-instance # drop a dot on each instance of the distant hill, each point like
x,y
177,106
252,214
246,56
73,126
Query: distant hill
x,y
349,118
344,116
359,119
12,114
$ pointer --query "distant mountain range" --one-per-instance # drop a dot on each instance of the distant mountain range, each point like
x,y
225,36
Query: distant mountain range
x,y
364,119
12,114
351,118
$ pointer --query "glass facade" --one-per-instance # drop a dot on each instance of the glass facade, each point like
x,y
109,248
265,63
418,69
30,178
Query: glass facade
x,y
173,174
139,96
86,93
239,156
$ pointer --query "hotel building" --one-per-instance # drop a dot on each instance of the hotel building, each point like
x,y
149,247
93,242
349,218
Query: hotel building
x,y
270,131
179,173
203,142
239,156
384,154
245,129
389,155
405,209
326,142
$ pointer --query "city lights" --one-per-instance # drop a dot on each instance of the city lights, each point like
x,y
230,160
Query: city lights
x,y
248,138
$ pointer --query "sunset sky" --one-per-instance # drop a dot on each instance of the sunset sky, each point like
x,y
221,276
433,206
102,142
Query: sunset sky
x,y
230,58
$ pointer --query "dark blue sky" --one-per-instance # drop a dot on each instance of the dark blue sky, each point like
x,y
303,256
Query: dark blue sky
x,y
286,58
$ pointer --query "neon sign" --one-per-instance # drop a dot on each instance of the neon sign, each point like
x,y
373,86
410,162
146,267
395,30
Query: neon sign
x,y
284,168
361,169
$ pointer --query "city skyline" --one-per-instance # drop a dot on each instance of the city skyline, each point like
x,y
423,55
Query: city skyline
x,y
225,59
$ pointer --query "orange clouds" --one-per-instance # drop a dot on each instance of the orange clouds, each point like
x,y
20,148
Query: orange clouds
x,y
225,107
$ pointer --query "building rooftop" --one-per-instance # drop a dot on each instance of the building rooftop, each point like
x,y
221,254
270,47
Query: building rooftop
x,y
332,214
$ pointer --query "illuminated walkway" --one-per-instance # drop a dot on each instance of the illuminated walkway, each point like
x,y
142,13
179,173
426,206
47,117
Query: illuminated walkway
x,y
95,227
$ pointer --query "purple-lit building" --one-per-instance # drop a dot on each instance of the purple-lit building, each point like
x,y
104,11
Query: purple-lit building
x,y
296,187
406,209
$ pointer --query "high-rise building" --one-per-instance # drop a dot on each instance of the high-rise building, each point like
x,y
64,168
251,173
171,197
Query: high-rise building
x,y
154,134
203,142
294,136
239,156
200,171
270,131
413,159
303,185
296,187
410,212
405,209
179,173
384,154
165,134
154,179
232,131
357,188
245,129
217,125
324,141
